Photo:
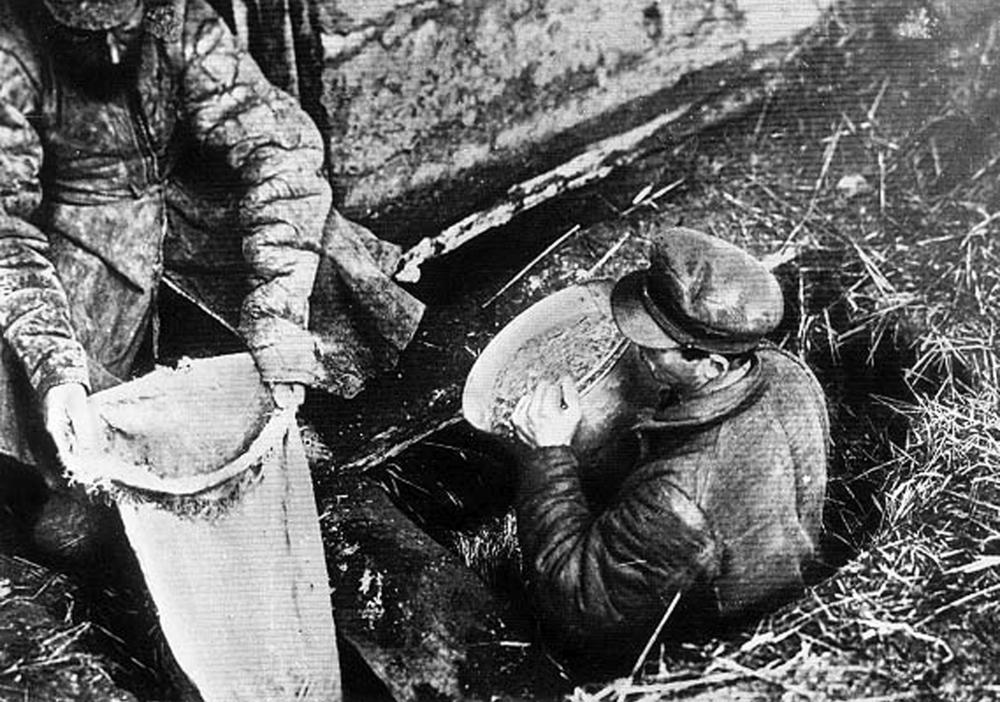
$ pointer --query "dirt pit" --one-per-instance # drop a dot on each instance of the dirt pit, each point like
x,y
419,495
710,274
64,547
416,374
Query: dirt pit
x,y
458,483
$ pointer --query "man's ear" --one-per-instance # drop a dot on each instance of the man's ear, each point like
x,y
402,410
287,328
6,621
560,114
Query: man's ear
x,y
714,366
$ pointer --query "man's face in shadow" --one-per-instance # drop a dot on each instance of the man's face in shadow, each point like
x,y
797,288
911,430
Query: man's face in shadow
x,y
99,61
683,370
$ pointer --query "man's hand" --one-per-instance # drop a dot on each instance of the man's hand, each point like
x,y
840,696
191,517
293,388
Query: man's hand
x,y
288,395
549,416
69,420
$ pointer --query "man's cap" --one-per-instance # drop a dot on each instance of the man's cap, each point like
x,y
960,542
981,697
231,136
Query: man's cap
x,y
699,292
91,15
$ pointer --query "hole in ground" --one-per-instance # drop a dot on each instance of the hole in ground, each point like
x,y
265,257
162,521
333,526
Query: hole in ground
x,y
458,484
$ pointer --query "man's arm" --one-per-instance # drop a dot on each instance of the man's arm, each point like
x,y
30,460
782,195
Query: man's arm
x,y
34,310
596,575
600,575
277,154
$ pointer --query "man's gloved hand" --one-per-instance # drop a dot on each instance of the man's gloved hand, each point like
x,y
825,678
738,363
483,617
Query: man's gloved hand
x,y
69,421
288,395
549,416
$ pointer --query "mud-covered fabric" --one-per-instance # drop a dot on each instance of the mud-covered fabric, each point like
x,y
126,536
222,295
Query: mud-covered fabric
x,y
726,502
359,318
276,153
92,15
83,175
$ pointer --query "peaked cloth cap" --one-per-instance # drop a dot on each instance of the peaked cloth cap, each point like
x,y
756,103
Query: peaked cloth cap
x,y
91,15
699,292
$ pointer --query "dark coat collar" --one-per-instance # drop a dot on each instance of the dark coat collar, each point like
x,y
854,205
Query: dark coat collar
x,y
705,409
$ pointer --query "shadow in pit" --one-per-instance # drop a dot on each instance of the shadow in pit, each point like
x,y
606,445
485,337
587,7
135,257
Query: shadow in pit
x,y
458,486
861,381
861,364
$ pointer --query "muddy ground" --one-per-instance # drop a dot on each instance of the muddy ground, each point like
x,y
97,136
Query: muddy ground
x,y
878,113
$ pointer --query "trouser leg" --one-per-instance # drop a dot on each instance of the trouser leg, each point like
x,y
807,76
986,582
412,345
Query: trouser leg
x,y
22,494
73,528
60,525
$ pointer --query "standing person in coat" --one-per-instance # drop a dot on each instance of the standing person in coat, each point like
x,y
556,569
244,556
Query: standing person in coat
x,y
98,101
724,505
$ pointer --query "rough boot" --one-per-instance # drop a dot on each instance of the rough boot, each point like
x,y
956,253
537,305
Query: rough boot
x,y
71,528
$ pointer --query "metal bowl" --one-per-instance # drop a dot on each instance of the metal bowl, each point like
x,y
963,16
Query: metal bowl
x,y
614,385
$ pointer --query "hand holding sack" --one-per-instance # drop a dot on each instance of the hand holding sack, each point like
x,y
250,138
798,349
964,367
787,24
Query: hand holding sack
x,y
214,491
69,421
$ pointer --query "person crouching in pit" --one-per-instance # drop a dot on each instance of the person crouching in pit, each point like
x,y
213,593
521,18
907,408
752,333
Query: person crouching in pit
x,y
723,508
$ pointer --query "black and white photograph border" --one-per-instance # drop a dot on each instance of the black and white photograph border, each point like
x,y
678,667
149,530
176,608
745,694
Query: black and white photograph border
x,y
493,168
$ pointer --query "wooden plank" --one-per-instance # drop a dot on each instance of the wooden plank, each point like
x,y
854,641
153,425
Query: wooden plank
x,y
595,164
423,622
592,165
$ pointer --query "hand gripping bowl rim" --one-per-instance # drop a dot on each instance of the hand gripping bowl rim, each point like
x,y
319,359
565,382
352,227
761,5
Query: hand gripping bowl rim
x,y
471,393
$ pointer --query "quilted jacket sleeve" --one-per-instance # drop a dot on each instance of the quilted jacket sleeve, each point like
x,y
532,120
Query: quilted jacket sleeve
x,y
34,311
595,576
276,152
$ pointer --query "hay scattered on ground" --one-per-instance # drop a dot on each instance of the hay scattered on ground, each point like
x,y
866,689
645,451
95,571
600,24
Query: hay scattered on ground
x,y
871,184
45,653
882,180
492,550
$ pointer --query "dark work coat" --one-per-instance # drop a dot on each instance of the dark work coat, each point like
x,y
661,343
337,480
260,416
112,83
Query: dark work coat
x,y
725,501
87,200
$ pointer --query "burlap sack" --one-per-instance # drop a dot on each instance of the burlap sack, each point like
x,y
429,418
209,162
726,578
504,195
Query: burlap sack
x,y
214,491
